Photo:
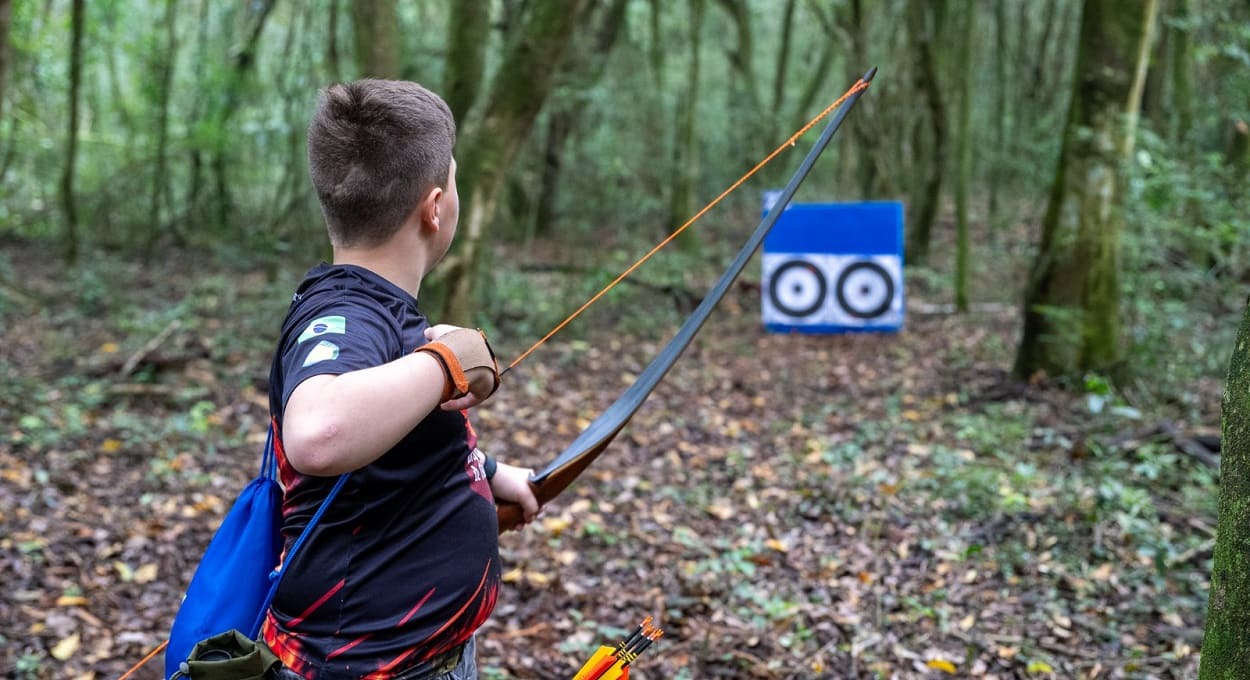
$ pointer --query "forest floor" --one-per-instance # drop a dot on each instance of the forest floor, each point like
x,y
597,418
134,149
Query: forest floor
x,y
785,506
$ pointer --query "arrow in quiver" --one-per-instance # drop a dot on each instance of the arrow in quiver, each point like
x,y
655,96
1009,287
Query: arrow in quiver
x,y
612,663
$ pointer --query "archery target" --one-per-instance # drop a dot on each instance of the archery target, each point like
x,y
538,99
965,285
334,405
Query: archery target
x,y
827,293
865,290
833,267
798,288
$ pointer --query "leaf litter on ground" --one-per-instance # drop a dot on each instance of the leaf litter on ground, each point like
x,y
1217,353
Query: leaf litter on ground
x,y
785,506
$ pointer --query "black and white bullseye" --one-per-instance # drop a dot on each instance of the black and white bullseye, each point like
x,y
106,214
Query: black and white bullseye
x,y
865,290
798,288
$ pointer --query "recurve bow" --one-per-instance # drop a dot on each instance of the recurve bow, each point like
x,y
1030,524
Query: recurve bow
x,y
559,473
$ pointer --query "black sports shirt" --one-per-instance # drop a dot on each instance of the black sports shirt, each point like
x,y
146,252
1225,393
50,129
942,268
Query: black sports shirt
x,y
404,565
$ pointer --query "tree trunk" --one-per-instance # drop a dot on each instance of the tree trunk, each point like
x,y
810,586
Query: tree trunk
x,y
656,46
1155,95
685,159
1071,306
565,113
746,111
863,124
469,27
1000,167
1237,155
376,27
121,105
68,207
1181,59
1226,643
527,71
926,203
783,56
9,147
1041,64
6,19
195,157
964,171
824,63
244,60
332,42
559,129
165,80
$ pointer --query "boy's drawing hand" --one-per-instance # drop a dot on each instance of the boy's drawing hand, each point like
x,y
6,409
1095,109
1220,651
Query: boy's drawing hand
x,y
476,357
512,484
467,401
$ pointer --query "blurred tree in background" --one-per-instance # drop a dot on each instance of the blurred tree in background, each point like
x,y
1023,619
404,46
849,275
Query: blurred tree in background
x,y
590,127
1072,316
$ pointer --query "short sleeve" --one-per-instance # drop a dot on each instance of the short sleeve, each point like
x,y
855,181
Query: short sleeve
x,y
344,336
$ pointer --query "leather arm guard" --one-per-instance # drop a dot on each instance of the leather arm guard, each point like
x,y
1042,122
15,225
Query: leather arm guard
x,y
459,352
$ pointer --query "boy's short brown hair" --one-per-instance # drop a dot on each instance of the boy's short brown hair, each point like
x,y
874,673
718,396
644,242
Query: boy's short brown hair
x,y
375,148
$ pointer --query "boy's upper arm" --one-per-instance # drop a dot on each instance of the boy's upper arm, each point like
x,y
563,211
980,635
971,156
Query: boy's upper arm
x,y
346,336
307,387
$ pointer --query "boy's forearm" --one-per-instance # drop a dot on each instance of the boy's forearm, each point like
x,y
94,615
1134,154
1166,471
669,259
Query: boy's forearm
x,y
336,424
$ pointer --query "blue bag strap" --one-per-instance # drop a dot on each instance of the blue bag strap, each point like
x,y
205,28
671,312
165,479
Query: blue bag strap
x,y
269,459
269,467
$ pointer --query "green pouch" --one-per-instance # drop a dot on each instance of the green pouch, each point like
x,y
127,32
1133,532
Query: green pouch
x,y
229,656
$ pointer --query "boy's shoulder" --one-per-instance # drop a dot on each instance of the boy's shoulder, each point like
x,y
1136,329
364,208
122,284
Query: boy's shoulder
x,y
327,283
329,292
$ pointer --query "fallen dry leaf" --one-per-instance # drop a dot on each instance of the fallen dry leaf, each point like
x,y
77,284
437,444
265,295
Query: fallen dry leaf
x,y
66,648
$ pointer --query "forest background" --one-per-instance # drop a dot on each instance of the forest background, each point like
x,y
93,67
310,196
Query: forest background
x,y
1023,482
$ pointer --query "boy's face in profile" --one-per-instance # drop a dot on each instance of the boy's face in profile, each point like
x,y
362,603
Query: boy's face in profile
x,y
448,215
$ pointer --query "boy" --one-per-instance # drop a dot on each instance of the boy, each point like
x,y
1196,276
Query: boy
x,y
404,565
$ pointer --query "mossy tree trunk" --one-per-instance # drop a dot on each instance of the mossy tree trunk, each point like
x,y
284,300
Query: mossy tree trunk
x,y
999,155
1181,57
468,25
164,77
1226,645
567,108
333,69
963,173
6,20
924,21
243,65
743,89
1071,304
375,26
488,144
1237,155
685,150
68,200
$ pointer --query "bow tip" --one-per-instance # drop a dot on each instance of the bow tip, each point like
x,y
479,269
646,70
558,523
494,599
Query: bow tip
x,y
869,75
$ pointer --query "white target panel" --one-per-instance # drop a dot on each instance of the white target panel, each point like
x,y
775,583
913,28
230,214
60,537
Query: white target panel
x,y
828,293
834,268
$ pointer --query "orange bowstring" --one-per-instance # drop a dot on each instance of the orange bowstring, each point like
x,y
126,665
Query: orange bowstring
x,y
859,85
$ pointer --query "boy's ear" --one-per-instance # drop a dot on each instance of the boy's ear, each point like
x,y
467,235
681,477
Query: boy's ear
x,y
428,209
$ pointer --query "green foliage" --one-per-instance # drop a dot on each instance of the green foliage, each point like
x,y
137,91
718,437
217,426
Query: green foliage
x,y
211,112
1185,263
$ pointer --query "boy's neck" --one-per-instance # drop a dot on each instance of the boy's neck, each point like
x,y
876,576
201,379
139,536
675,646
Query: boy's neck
x,y
400,260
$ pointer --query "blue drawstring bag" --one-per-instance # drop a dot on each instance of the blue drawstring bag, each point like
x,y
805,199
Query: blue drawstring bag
x,y
231,587
240,571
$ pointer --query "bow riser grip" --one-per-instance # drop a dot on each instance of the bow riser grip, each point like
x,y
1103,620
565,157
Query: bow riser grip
x,y
510,514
